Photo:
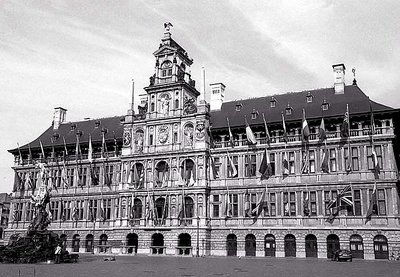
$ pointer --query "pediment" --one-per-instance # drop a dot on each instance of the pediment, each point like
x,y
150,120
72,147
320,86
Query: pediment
x,y
165,49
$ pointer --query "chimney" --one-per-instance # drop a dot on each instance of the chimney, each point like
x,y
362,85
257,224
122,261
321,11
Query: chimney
x,y
338,72
202,86
217,96
59,117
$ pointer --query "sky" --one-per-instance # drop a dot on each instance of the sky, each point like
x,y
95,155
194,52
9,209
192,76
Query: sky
x,y
82,54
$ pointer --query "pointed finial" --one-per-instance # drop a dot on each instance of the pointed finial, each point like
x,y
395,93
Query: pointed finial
x,y
354,75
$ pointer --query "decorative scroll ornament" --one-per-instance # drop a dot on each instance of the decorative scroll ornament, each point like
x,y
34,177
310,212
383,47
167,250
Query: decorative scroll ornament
x,y
200,130
127,137
163,134
189,106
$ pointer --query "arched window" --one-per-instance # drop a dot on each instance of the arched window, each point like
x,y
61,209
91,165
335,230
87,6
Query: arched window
x,y
290,246
138,175
184,244
231,245
162,174
132,243
357,247
137,208
89,243
250,245
311,246
75,243
381,247
189,207
188,172
166,69
270,246
161,211
103,243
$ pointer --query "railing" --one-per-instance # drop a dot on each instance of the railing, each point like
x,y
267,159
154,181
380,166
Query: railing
x,y
184,250
299,138
104,249
158,250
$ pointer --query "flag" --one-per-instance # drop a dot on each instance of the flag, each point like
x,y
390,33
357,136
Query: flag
x,y
115,145
230,134
103,146
30,151
325,164
182,213
373,128
305,128
285,165
65,148
286,207
233,167
267,136
344,195
135,176
348,163
90,151
102,210
48,210
106,173
92,216
62,209
128,171
256,212
322,131
265,167
228,206
306,205
251,139
305,167
64,177
20,155
191,180
41,148
247,211
377,169
373,205
75,214
213,168
345,127
285,136
93,176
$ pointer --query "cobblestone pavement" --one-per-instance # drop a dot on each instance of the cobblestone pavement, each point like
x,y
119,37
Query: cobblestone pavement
x,y
209,266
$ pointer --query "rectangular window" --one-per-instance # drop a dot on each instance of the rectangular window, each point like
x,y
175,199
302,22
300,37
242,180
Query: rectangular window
x,y
272,161
107,208
381,202
29,212
216,205
272,205
231,171
71,172
378,151
311,161
83,176
92,211
235,206
289,202
291,163
250,165
54,207
310,203
163,73
354,158
217,166
58,178
357,202
151,140
175,138
332,160
328,195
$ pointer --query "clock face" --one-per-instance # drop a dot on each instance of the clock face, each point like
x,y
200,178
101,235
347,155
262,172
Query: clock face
x,y
163,134
127,137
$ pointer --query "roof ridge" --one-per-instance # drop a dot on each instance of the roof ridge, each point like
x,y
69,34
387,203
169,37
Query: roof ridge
x,y
92,119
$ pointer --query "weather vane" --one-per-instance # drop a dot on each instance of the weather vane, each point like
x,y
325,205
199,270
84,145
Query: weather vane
x,y
167,26
354,75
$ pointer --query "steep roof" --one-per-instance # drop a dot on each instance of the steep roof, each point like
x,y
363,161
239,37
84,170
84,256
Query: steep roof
x,y
353,96
65,130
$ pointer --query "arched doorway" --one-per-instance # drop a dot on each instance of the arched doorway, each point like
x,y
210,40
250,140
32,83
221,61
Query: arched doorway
x,y
184,244
231,245
89,243
270,246
357,247
311,246
103,243
132,243
332,244
290,246
157,244
75,243
250,245
63,239
381,247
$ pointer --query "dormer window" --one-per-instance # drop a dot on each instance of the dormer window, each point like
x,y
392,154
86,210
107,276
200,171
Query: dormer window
x,y
97,123
166,69
309,97
288,110
239,107
73,127
254,114
273,102
325,105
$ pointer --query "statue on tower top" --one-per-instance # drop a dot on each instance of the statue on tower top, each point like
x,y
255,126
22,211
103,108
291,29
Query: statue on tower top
x,y
167,26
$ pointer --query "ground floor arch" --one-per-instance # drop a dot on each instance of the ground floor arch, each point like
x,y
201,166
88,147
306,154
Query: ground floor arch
x,y
250,245
157,244
132,243
184,244
311,246
76,243
332,244
269,245
231,245
89,243
381,250
290,245
357,247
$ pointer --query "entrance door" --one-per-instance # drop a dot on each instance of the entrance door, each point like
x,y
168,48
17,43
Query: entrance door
x,y
311,246
158,244
332,244
132,243
357,247
231,245
290,246
381,247
250,245
89,243
75,243
270,246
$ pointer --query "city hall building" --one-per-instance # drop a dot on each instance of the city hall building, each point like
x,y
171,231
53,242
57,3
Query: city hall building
x,y
250,177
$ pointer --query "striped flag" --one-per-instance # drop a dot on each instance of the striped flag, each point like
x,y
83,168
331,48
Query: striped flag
x,y
265,167
256,212
285,135
251,139
373,205
325,164
305,128
233,167
322,131
90,151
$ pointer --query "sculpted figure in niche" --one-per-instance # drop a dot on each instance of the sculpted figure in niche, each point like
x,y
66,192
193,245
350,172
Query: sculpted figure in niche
x,y
188,131
139,142
164,107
